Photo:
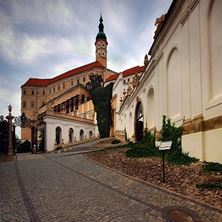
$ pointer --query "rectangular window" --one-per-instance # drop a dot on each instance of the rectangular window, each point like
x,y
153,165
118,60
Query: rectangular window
x,y
24,104
43,92
50,91
72,83
53,89
32,104
58,87
24,92
33,93
84,79
64,86
77,81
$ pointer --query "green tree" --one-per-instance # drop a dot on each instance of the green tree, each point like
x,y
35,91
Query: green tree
x,y
101,97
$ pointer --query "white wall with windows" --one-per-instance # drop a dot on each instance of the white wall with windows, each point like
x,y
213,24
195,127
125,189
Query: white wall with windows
x,y
70,131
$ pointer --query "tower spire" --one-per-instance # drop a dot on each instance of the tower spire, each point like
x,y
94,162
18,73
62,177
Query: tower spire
x,y
101,26
101,44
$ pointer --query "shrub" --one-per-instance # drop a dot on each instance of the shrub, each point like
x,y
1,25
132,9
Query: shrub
x,y
24,147
172,133
145,148
212,167
116,141
215,185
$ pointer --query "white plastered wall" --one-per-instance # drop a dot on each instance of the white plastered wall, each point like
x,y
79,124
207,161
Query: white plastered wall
x,y
191,38
65,125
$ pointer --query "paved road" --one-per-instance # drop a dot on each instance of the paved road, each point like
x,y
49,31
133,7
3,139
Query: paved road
x,y
68,187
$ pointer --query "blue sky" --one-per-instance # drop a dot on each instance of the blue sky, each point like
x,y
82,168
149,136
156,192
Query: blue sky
x,y
44,38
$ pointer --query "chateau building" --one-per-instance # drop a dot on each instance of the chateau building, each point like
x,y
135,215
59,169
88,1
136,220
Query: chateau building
x,y
182,80
63,103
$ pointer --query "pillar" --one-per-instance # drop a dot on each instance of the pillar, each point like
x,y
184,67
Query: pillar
x,y
10,146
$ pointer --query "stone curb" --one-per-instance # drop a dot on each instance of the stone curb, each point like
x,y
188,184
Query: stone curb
x,y
203,204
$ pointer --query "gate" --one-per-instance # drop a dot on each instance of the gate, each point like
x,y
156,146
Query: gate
x,y
36,126
3,136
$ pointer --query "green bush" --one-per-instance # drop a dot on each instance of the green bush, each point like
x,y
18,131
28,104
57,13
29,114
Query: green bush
x,y
116,141
172,133
145,148
215,185
24,147
212,167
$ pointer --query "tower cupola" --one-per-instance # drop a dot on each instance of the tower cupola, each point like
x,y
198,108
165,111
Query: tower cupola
x,y
101,44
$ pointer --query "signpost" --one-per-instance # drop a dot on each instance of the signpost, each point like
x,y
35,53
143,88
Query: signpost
x,y
163,146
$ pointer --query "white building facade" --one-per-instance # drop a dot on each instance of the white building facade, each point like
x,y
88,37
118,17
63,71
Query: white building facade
x,y
62,130
183,79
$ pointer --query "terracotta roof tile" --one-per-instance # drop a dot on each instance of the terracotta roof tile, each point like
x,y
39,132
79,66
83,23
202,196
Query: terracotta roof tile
x,y
45,82
112,77
37,82
133,70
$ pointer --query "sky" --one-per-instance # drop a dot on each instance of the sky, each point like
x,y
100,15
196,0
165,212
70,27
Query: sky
x,y
44,38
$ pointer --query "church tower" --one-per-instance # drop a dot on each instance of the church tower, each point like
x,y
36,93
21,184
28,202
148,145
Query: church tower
x,y
101,44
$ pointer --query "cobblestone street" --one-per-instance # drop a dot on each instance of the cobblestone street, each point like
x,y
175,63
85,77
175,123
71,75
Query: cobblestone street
x,y
69,187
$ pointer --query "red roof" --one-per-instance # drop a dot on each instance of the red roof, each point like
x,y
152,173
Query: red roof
x,y
112,77
133,70
37,82
45,82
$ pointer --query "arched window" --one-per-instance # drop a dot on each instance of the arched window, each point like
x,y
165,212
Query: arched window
x,y
81,134
71,135
174,84
215,49
139,122
151,109
58,132
90,134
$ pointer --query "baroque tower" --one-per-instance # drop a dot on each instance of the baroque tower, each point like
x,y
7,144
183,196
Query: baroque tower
x,y
101,44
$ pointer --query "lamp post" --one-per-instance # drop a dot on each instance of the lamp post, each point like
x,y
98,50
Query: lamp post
x,y
10,147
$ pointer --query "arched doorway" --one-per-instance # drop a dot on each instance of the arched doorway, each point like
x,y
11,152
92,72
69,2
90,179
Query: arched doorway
x,y
58,135
139,122
71,134
81,134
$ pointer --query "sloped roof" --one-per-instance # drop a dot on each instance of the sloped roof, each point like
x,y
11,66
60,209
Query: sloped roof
x,y
45,82
112,77
133,70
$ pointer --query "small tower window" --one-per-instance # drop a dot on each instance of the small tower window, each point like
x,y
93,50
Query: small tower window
x,y
43,92
24,104
24,92
33,93
32,104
